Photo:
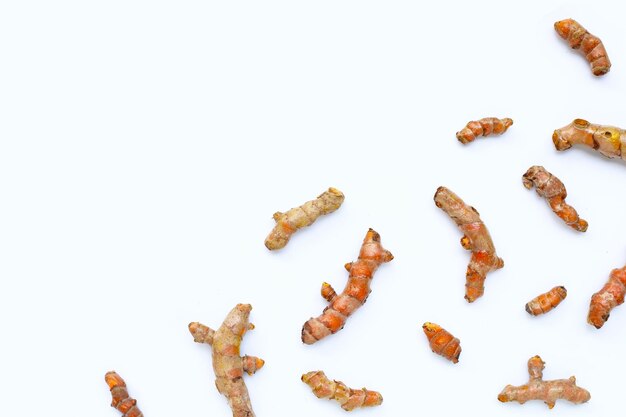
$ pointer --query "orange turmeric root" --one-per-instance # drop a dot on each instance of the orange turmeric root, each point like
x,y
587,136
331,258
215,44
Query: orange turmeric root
x,y
483,127
121,400
548,391
227,364
545,302
610,141
475,238
591,46
442,342
551,188
610,296
348,398
296,218
354,295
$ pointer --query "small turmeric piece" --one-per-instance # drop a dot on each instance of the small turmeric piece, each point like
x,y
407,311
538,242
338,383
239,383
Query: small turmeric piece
x,y
609,297
545,302
547,391
227,364
483,127
296,218
475,238
442,342
551,188
610,141
348,398
121,400
354,295
591,46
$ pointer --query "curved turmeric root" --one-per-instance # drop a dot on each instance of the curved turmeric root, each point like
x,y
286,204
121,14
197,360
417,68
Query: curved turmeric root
x,y
227,364
442,342
121,400
591,46
483,127
545,302
609,297
548,391
551,188
354,295
348,398
610,141
475,238
296,218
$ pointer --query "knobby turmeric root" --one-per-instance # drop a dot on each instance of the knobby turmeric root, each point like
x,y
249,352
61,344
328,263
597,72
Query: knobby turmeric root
x,y
610,141
121,400
442,342
609,297
354,295
227,364
547,391
348,398
475,238
551,188
483,127
545,302
579,38
296,218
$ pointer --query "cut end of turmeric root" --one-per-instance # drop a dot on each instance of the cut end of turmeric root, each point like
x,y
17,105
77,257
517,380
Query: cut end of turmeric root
x,y
546,302
589,45
442,342
348,398
483,127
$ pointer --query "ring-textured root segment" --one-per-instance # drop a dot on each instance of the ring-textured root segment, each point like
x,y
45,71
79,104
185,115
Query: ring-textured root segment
x,y
591,46
483,127
546,391
442,342
545,302
610,141
475,238
552,189
348,398
121,400
296,218
609,297
227,364
354,295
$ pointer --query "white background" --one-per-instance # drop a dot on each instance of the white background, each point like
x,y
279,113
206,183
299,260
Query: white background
x,y
144,146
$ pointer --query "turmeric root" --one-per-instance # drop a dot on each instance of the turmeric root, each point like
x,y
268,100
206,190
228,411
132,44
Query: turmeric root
x,y
121,400
548,391
296,218
609,297
551,188
483,127
348,398
227,364
475,238
545,302
610,141
579,38
354,295
442,342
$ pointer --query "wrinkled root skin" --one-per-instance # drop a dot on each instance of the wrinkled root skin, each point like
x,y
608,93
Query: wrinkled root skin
x,y
546,302
442,342
610,141
348,398
546,391
476,238
589,45
609,297
121,400
483,127
552,189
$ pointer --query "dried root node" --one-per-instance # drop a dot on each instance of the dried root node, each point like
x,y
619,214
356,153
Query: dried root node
x,y
483,127
546,302
348,398
121,400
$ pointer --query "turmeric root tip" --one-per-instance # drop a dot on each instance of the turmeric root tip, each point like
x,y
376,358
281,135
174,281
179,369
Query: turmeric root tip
x,y
348,398
589,45
121,400
442,342
483,127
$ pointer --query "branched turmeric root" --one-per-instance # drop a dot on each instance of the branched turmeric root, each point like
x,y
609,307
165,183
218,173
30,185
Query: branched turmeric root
x,y
442,342
591,46
475,238
227,364
610,141
483,127
609,297
334,317
348,398
121,400
547,391
551,188
545,302
296,218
